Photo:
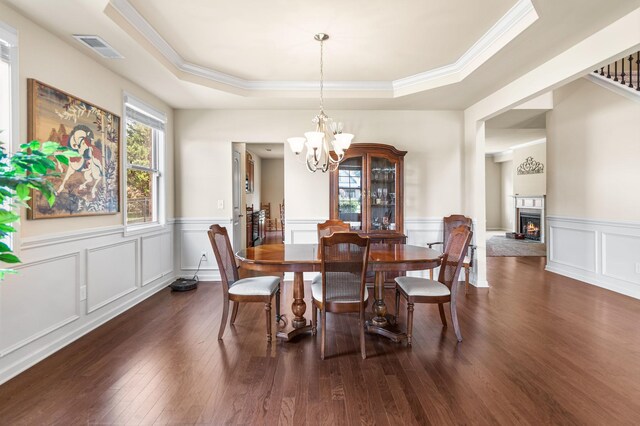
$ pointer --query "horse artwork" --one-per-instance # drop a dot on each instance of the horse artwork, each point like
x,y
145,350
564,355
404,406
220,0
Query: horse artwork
x,y
89,185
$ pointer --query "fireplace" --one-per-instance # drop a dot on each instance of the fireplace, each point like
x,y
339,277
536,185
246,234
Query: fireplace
x,y
530,224
529,217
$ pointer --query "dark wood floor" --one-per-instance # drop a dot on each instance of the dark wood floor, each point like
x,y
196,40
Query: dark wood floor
x,y
538,349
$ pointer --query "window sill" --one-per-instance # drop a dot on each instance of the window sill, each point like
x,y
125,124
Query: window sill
x,y
144,228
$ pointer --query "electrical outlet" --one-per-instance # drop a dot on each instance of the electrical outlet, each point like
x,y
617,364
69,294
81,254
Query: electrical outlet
x,y
203,256
637,267
220,204
83,292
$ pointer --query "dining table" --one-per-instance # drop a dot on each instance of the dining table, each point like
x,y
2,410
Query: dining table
x,y
301,258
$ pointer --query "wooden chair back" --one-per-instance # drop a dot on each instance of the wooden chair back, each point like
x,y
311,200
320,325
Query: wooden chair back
x,y
453,257
452,222
330,226
345,257
224,256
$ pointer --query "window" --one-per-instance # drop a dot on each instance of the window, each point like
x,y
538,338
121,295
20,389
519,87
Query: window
x,y
144,139
8,85
8,98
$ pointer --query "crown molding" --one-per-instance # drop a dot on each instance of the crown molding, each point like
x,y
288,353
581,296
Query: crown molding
x,y
509,26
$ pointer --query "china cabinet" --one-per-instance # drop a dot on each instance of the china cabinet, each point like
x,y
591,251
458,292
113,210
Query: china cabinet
x,y
367,191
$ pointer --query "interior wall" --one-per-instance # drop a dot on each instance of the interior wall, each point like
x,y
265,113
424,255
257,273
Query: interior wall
x,y
41,57
432,138
531,184
273,183
493,198
507,202
593,154
592,204
79,272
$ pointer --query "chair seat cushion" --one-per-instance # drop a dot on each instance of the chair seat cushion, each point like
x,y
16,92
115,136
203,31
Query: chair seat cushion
x,y
255,286
414,286
317,279
335,295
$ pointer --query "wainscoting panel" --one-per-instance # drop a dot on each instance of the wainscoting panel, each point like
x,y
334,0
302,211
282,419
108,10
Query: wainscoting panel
x,y
602,253
157,257
573,247
193,241
71,283
112,272
620,257
32,307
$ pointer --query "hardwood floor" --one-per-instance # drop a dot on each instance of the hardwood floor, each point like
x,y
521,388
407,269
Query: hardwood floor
x,y
537,349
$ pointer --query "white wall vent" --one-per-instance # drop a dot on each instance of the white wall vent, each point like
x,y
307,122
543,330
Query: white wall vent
x,y
98,45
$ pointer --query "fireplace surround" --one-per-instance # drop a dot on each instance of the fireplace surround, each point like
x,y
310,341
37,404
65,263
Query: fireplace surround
x,y
529,217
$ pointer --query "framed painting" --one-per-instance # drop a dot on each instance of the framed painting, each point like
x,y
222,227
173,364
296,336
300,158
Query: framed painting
x,y
89,185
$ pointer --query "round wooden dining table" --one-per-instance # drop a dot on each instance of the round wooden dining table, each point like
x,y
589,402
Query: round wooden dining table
x,y
300,258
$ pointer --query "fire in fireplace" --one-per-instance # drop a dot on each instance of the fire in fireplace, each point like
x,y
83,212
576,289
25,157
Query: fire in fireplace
x,y
530,225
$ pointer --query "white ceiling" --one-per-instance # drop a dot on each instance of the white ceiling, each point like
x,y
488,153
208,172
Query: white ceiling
x,y
273,41
267,150
499,140
513,128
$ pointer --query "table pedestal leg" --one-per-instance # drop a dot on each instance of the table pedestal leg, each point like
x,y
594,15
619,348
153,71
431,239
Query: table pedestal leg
x,y
380,323
299,324
298,307
379,307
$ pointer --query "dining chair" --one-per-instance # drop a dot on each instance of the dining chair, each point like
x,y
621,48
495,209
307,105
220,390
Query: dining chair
x,y
327,228
344,257
422,290
448,224
252,289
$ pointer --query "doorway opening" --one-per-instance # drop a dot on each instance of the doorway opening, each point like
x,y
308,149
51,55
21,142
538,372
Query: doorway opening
x,y
264,193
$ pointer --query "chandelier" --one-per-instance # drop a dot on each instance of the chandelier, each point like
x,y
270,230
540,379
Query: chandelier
x,y
318,156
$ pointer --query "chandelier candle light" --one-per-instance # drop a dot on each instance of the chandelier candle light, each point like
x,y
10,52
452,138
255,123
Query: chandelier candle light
x,y
318,156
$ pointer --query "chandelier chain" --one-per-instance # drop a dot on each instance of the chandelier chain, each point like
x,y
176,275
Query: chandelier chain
x,y
321,75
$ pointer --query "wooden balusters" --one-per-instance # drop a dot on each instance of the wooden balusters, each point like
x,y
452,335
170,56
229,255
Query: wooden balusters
x,y
623,75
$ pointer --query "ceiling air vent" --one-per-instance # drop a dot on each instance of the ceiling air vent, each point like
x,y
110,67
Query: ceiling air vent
x,y
98,45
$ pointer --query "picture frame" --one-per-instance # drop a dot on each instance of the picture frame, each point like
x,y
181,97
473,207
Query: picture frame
x,y
90,184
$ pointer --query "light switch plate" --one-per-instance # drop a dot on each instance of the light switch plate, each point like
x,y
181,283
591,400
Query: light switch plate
x,y
83,292
220,204
637,267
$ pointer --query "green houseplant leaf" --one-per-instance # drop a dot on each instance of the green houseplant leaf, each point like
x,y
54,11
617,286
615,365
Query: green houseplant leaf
x,y
20,173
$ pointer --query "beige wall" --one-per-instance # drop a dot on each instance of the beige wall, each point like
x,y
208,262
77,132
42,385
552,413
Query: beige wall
x,y
47,58
535,184
273,184
493,197
433,166
507,201
593,149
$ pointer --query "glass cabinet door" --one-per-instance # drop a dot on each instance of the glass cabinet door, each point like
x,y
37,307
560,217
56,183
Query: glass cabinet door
x,y
350,192
382,194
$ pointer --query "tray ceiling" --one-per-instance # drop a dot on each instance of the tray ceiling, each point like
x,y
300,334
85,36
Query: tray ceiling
x,y
504,56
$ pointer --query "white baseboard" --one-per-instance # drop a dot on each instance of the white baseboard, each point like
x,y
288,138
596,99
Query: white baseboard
x,y
593,280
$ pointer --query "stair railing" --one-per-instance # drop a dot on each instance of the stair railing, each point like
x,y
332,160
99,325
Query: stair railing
x,y
627,74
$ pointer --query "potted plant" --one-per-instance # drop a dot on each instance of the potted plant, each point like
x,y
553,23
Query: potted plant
x,y
20,173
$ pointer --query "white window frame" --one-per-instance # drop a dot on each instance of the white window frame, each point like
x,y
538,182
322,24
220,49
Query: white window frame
x,y
131,103
9,37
